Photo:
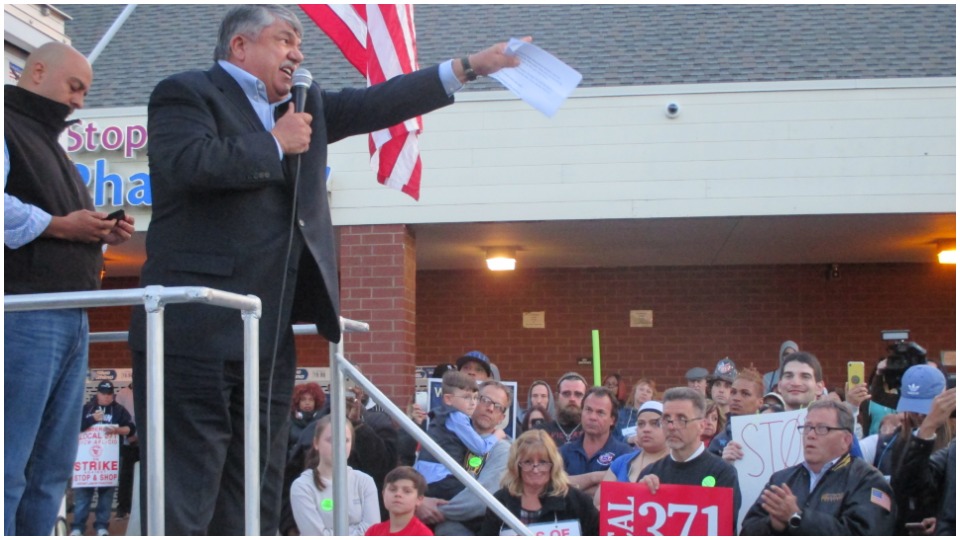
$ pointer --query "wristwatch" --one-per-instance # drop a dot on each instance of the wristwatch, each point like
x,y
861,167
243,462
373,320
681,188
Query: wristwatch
x,y
468,69
795,519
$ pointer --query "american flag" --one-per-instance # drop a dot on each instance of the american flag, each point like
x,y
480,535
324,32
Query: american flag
x,y
879,498
15,71
380,41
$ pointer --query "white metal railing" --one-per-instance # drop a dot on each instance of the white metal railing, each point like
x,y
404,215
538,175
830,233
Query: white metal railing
x,y
154,298
338,365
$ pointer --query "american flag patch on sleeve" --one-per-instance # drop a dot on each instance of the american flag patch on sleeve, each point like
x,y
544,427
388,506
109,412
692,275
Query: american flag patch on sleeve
x,y
879,498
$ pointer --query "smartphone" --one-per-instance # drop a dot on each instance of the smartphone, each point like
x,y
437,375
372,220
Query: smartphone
x,y
915,529
854,374
119,214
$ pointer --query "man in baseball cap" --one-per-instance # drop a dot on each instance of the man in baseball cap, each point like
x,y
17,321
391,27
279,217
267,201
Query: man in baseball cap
x,y
720,382
475,364
919,385
697,379
926,473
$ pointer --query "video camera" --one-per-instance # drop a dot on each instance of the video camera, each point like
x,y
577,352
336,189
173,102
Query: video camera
x,y
903,355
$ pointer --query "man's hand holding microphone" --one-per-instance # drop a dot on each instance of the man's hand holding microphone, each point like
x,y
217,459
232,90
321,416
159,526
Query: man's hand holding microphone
x,y
293,130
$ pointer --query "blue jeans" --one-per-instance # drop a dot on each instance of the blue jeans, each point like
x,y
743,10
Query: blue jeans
x,y
81,507
44,368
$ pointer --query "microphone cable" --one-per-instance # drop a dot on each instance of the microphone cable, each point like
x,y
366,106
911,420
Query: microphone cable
x,y
276,335
302,80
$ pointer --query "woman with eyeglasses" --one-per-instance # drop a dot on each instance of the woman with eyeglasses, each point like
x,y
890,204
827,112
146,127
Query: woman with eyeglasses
x,y
535,417
653,446
537,491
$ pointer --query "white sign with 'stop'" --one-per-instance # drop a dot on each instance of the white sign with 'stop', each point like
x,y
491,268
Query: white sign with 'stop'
x,y
770,442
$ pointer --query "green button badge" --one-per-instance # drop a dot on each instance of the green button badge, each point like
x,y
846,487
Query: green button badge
x,y
475,461
709,481
326,505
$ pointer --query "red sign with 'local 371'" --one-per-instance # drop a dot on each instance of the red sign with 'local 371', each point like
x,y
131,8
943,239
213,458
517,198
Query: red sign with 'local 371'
x,y
629,509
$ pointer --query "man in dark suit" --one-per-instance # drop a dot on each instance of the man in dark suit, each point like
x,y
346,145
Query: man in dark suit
x,y
228,213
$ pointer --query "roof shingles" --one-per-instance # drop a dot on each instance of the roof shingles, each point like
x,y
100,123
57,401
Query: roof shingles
x,y
611,45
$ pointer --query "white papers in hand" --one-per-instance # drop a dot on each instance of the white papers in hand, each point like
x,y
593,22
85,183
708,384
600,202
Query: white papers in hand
x,y
541,79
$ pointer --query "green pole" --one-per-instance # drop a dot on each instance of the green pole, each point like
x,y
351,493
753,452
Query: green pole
x,y
597,381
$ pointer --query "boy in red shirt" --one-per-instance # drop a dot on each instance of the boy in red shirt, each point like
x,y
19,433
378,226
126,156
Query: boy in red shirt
x,y
403,490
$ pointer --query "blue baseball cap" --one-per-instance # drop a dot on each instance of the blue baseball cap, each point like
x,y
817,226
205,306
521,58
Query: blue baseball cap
x,y
477,357
919,385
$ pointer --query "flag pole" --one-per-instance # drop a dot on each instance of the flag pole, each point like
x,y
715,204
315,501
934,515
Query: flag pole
x,y
105,40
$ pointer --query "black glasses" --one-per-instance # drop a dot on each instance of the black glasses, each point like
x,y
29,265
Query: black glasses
x,y
653,423
530,465
680,422
819,429
487,402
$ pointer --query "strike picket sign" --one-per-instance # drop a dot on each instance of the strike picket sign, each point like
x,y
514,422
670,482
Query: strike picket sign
x,y
629,509
98,458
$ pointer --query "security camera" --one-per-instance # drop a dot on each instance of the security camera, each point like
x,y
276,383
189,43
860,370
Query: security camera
x,y
673,110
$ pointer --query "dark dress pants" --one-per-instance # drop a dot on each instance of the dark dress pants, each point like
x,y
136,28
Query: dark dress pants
x,y
203,441
129,456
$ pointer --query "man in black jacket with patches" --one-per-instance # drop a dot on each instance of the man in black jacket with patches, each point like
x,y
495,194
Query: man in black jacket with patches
x,y
830,492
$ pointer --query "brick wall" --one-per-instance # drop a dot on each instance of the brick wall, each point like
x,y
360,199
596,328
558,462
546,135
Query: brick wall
x,y
378,283
700,315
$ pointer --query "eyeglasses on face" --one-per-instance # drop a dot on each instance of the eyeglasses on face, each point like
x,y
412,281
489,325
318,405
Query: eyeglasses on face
x,y
819,429
487,402
530,465
681,422
652,423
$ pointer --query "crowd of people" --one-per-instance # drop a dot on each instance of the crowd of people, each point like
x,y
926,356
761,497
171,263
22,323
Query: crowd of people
x,y
895,478
878,456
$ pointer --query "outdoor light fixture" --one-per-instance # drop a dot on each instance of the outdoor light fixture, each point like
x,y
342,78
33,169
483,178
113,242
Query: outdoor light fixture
x,y
501,258
947,251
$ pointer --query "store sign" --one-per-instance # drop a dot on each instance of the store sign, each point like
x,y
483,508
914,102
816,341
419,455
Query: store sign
x,y
112,182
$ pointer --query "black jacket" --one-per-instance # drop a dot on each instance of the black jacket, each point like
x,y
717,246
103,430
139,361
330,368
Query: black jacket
x,y
575,505
848,500
931,478
42,175
223,202
113,413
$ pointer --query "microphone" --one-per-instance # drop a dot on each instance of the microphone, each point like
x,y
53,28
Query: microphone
x,y
302,79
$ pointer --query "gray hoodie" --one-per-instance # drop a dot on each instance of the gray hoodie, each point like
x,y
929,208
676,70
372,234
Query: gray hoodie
x,y
771,378
551,405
